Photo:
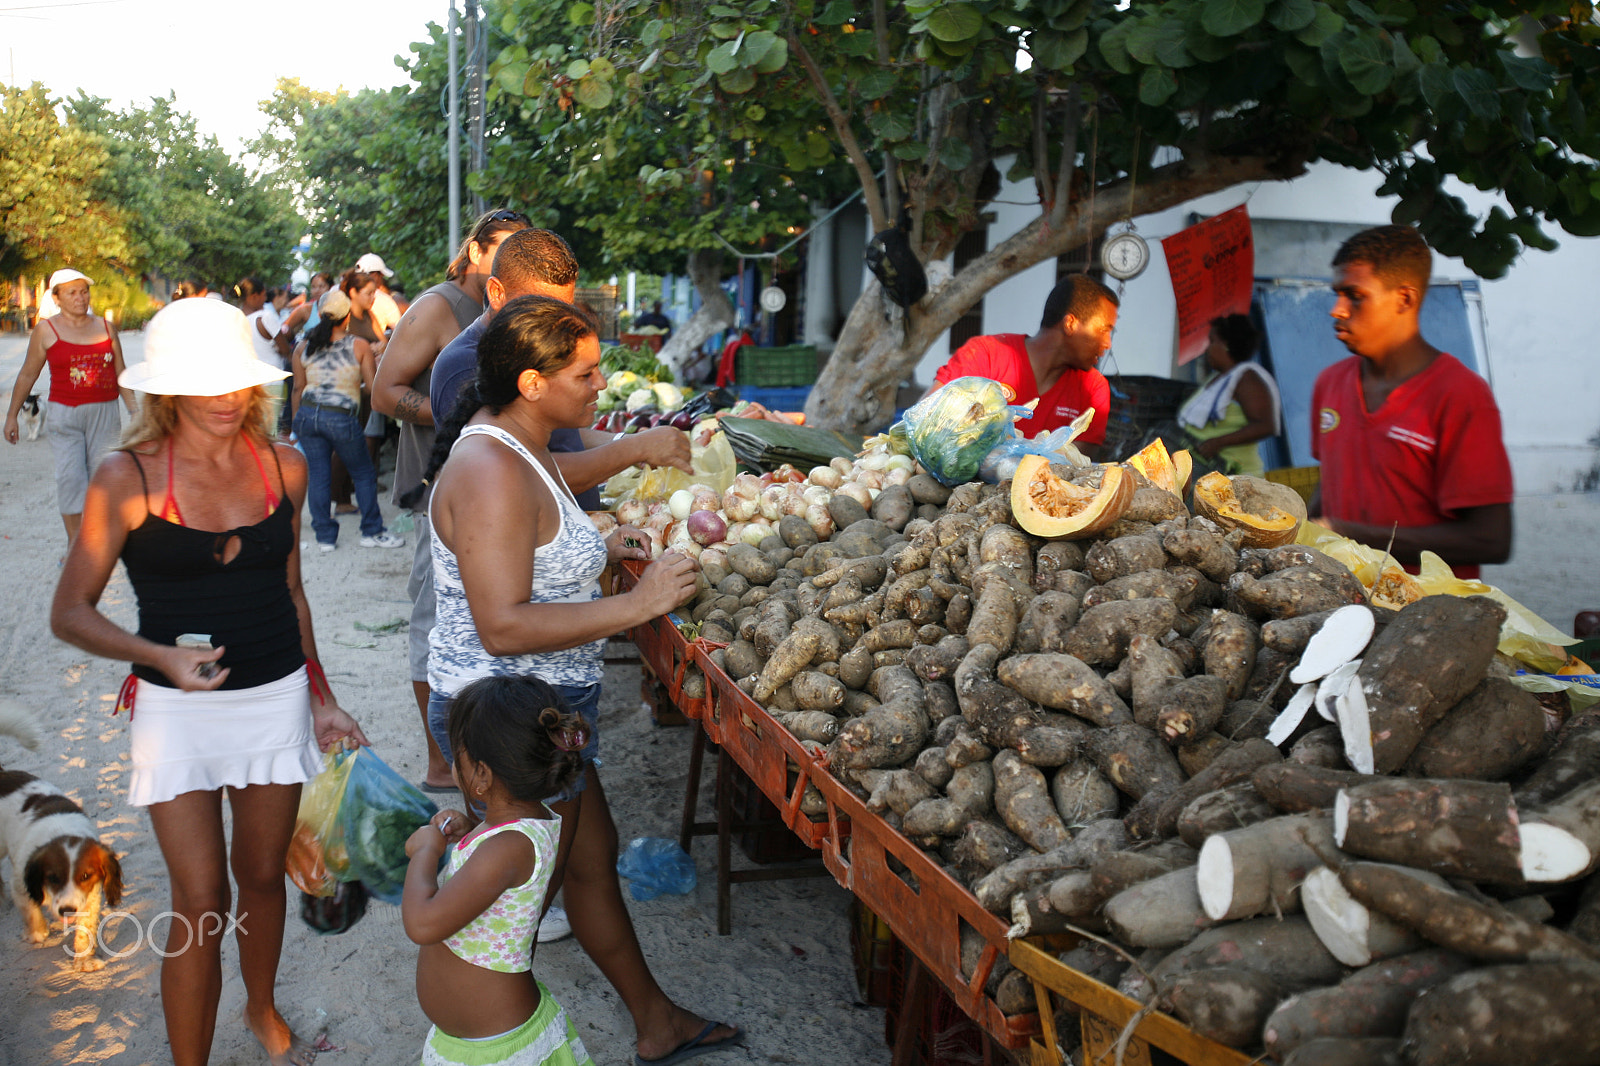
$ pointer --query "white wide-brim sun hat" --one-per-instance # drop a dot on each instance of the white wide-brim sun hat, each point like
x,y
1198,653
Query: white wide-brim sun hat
x,y
198,348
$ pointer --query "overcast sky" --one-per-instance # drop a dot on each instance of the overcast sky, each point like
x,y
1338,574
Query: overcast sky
x,y
220,59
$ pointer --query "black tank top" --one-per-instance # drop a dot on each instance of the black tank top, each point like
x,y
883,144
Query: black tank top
x,y
183,586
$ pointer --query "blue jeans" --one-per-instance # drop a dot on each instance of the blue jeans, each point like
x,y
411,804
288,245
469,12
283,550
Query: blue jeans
x,y
323,432
584,700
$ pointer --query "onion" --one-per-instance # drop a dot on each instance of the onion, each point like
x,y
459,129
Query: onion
x,y
681,503
872,479
661,522
874,493
842,465
657,544
817,494
754,534
857,492
656,506
897,476
772,502
706,527
604,521
825,476
705,498
716,554
900,462
874,461
795,503
679,538
632,512
743,509
820,521
747,485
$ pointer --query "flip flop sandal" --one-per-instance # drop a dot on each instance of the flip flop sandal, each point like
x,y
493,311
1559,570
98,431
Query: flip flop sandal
x,y
693,1048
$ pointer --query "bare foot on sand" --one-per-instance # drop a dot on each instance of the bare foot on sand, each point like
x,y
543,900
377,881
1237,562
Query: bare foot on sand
x,y
686,1029
282,1046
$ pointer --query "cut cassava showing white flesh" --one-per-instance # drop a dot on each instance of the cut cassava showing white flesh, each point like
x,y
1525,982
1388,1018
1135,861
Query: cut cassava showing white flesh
x,y
1355,726
1290,717
1352,932
1561,841
1342,637
1258,869
1334,685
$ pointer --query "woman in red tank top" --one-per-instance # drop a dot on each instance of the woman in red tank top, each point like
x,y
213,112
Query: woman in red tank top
x,y
81,420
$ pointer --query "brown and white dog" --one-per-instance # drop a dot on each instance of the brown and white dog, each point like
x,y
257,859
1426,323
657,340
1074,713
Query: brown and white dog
x,y
59,870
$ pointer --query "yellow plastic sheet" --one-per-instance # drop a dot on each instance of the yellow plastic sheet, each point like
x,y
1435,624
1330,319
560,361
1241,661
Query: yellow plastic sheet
x,y
714,465
1524,636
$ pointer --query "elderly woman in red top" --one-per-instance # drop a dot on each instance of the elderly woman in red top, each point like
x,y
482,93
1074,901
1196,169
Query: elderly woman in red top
x,y
81,419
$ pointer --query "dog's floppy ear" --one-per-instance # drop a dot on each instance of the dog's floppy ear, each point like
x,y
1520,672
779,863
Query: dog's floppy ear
x,y
33,873
111,879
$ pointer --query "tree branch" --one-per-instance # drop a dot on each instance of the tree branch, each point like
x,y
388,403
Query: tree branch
x,y
1041,153
1069,159
870,193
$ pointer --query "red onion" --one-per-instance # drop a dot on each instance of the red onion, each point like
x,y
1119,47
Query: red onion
x,y
706,527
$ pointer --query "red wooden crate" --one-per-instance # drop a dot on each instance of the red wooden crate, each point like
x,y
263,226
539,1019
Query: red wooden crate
x,y
662,648
765,751
926,918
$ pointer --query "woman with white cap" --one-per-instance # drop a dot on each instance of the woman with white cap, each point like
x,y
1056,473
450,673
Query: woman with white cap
x,y
203,508
81,421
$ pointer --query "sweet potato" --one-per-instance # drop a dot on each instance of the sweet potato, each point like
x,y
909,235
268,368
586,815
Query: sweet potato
x,y
894,790
1372,1002
1179,586
1102,633
984,845
958,613
1191,708
1452,920
810,725
966,747
1455,828
1022,799
1295,591
1054,557
1231,767
940,660
1207,552
1046,621
1489,735
1258,869
741,659
994,891
1163,912
1082,794
925,489
1422,664
994,617
888,734
1538,1013
1064,683
1134,759
1055,739
933,767
969,795
749,563
1229,651
855,668
1221,811
791,655
1007,545
1109,559
997,710
1575,761
941,700
1152,669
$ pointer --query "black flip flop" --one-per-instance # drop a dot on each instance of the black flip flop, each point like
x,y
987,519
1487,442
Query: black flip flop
x,y
693,1047
436,789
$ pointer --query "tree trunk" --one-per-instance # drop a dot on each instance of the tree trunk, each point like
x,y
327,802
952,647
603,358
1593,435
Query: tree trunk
x,y
715,312
876,351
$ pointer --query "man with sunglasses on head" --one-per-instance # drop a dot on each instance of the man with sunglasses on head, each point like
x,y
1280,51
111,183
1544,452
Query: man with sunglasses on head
x,y
400,390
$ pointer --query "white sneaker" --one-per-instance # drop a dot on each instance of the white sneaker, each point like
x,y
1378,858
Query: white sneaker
x,y
383,540
555,925
325,547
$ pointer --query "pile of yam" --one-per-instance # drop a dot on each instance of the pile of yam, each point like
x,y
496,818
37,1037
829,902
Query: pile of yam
x,y
1317,830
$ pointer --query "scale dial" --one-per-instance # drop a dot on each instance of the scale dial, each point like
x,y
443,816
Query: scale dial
x,y
1125,256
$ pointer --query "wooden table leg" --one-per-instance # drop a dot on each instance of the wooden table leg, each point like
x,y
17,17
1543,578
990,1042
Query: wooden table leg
x,y
724,842
691,792
909,1024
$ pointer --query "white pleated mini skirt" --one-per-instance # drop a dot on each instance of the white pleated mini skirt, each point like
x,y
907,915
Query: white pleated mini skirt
x,y
204,741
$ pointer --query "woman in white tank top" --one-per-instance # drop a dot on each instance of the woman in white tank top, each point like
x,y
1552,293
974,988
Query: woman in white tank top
x,y
516,564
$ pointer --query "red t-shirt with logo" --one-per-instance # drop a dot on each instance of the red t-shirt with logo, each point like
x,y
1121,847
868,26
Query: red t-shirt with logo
x,y
1004,358
1432,450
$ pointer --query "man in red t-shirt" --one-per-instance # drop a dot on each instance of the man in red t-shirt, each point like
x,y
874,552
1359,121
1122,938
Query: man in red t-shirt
x,y
1409,438
1056,365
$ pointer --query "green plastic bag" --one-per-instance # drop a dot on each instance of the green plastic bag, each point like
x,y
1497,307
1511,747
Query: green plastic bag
x,y
379,812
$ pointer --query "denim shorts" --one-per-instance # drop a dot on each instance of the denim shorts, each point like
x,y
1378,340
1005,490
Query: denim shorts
x,y
583,700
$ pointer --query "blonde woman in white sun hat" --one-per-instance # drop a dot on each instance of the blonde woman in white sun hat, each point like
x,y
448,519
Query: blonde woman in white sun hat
x,y
81,420
203,508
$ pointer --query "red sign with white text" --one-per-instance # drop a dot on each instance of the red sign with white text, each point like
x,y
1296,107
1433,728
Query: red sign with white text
x,y
1213,267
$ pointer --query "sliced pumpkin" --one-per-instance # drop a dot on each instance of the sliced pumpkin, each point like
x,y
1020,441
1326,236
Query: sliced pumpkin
x,y
1068,503
1394,589
1266,513
1157,467
1183,469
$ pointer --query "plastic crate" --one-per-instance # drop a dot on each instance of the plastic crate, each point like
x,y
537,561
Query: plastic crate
x,y
877,956
770,840
1139,403
791,399
1103,1012
1303,479
776,367
664,653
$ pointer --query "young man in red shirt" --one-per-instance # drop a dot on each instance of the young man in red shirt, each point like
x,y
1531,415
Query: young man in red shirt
x,y
1409,438
1056,365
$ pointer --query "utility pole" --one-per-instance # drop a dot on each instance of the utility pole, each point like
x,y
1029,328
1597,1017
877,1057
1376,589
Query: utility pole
x,y
453,137
477,58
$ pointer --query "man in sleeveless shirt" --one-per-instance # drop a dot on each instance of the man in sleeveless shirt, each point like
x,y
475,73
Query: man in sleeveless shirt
x,y
400,390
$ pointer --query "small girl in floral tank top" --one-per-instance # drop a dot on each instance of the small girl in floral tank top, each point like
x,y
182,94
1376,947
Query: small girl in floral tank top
x,y
514,743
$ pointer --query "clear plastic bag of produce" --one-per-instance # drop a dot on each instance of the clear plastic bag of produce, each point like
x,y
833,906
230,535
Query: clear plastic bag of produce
x,y
714,465
317,861
654,866
952,430
378,812
1056,446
